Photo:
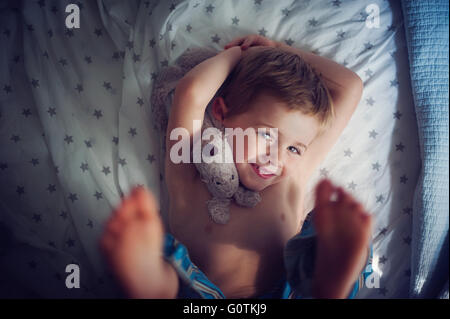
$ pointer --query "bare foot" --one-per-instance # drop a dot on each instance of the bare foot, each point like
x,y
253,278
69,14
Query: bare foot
x,y
132,243
343,233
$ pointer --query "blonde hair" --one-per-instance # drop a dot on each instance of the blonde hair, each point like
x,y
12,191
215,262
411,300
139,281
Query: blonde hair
x,y
282,74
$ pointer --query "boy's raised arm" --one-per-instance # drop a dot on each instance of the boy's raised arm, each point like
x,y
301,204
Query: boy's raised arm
x,y
198,87
345,88
192,95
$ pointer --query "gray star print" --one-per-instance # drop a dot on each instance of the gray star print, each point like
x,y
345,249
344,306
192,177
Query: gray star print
x,y
289,41
136,57
37,218
140,101
35,83
84,167
364,16
336,3
403,179
150,158
235,21
98,114
394,83
88,59
380,198
51,188
115,140
258,2
98,195
69,33
383,231
20,190
63,214
106,170
152,41
285,12
407,210
34,161
370,101
122,161
79,88
368,72
15,138
313,22
383,259
397,115
262,32
340,34
98,32
68,139
352,186
210,8
73,197
132,131
324,172
7,89
407,240
51,111
88,143
26,112
215,38
63,62
373,134
348,153
107,85
368,46
188,28
399,147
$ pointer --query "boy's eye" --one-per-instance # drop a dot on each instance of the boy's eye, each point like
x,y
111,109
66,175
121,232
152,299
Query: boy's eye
x,y
294,150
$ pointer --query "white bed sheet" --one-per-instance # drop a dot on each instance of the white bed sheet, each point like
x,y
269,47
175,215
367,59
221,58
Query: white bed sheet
x,y
92,145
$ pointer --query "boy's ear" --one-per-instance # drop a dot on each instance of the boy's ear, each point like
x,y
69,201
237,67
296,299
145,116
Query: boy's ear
x,y
219,108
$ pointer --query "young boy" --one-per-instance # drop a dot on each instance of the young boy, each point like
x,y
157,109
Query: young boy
x,y
310,100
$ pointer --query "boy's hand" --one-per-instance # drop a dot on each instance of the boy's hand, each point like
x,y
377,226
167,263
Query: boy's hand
x,y
251,40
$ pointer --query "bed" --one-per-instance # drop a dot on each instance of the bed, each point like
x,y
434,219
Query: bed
x,y
77,131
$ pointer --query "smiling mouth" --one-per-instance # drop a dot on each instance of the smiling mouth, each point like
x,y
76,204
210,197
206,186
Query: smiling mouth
x,y
261,172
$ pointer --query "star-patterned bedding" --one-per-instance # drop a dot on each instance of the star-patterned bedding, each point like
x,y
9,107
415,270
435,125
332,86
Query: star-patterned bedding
x,y
77,131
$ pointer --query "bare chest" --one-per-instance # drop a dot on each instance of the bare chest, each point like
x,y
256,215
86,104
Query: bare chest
x,y
262,230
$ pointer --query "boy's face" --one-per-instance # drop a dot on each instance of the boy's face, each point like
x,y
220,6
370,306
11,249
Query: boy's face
x,y
295,132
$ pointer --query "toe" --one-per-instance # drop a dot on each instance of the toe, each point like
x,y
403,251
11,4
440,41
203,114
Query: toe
x,y
107,243
127,209
324,191
146,203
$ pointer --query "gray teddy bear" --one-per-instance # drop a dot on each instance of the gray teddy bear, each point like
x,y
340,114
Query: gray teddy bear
x,y
221,179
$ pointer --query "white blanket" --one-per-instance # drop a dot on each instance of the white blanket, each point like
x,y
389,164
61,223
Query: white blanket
x,y
76,129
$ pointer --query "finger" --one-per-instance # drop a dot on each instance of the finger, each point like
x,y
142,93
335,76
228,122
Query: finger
x,y
247,42
235,42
